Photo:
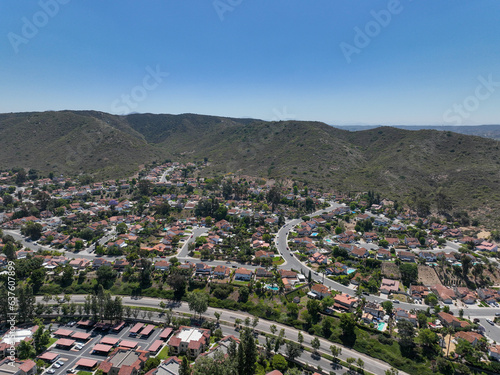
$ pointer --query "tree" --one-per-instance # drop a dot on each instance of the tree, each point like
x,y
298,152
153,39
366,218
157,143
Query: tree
x,y
255,322
243,294
184,368
428,339
361,364
198,302
406,334
431,299
25,350
106,276
247,354
292,350
313,308
10,251
336,352
409,273
315,344
178,283
422,320
300,338
391,371
32,230
67,275
217,316
279,362
151,363
347,324
388,307
466,265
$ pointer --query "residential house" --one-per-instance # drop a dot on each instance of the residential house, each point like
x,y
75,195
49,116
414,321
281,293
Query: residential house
x,y
472,337
318,258
449,320
370,236
124,361
383,254
344,302
487,246
221,271
203,269
406,256
162,265
359,252
263,273
337,269
445,294
17,367
389,286
402,314
285,274
260,254
189,340
494,352
418,292
319,291
243,274
427,256
99,262
374,309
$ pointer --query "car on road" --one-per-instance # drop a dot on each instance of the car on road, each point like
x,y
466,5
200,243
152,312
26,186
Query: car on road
x,y
395,301
497,314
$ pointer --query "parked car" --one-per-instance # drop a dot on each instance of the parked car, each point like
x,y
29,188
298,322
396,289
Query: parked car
x,y
490,321
497,314
51,371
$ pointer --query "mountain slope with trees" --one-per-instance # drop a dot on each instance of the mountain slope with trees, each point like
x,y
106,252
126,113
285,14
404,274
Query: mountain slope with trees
x,y
426,168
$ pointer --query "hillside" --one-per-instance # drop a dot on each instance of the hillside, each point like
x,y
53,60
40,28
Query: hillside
x,y
486,131
391,161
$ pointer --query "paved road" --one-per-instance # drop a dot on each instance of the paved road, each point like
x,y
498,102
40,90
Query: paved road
x,y
196,232
163,177
371,364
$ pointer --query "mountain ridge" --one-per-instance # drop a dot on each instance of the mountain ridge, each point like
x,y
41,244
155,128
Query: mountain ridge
x,y
396,162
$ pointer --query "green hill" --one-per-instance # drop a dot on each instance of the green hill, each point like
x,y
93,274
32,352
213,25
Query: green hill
x,y
392,161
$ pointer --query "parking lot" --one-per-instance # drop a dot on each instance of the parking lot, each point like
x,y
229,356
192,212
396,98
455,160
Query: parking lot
x,y
71,356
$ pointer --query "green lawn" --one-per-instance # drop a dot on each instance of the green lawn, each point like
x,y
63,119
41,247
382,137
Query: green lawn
x,y
52,340
163,354
278,261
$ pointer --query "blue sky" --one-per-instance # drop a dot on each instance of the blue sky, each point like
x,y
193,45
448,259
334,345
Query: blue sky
x,y
341,62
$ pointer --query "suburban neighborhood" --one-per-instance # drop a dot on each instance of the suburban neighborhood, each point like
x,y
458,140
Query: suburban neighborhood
x,y
359,271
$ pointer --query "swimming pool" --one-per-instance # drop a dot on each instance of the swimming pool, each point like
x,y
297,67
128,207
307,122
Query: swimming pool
x,y
350,270
381,326
274,288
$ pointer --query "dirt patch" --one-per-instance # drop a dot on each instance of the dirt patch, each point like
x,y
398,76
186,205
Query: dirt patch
x,y
391,270
427,276
484,235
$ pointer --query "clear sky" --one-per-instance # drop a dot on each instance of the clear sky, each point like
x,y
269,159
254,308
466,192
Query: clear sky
x,y
341,62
